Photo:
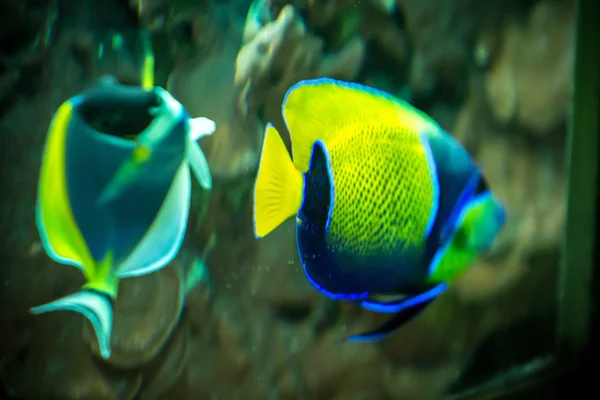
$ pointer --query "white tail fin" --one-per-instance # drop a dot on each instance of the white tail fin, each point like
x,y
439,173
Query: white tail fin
x,y
95,306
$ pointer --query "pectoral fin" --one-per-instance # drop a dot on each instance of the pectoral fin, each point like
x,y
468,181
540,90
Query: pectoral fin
x,y
198,128
198,164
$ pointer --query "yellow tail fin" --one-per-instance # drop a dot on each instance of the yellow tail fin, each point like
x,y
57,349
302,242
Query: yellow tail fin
x,y
279,185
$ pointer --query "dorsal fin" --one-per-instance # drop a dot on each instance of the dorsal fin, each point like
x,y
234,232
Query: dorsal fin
x,y
317,109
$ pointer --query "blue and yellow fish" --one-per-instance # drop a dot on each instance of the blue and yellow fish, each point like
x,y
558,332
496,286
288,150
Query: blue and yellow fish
x,y
111,206
387,203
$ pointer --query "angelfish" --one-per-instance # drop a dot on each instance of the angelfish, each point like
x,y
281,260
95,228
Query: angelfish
x,y
111,206
389,207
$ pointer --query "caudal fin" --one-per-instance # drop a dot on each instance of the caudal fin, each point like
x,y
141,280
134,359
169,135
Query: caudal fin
x,y
95,306
278,190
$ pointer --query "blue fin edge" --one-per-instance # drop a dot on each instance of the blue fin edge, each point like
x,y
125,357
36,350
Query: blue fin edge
x,y
335,296
435,182
399,305
323,147
462,201
400,318
332,295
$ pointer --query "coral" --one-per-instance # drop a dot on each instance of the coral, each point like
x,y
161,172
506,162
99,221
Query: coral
x,y
194,27
441,38
143,323
55,358
281,52
535,57
387,6
26,32
287,41
150,13
168,366
205,86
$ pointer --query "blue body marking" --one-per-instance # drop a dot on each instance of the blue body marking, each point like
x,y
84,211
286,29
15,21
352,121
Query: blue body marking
x,y
466,195
434,180
321,144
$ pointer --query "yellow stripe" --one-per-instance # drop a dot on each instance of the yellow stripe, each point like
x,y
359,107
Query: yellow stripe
x,y
105,279
148,72
148,64
59,223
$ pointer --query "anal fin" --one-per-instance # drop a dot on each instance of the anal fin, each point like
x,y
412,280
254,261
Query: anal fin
x,y
395,306
405,310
